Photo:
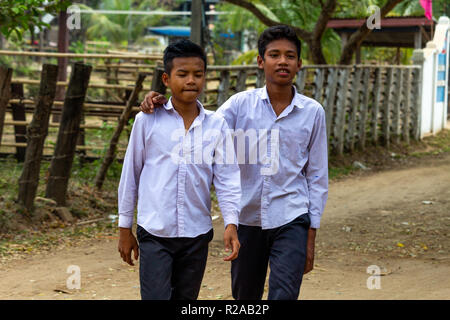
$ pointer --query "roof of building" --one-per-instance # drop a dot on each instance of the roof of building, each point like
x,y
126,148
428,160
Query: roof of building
x,y
393,32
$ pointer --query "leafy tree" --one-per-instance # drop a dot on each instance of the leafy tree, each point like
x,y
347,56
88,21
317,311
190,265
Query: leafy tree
x,y
19,16
413,8
309,19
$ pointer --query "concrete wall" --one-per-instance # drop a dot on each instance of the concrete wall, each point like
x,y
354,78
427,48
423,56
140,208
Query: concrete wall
x,y
434,60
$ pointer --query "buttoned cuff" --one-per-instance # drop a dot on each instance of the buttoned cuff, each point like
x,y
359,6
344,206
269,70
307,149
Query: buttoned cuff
x,y
125,221
315,221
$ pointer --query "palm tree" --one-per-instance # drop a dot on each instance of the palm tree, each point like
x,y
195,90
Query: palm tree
x,y
120,28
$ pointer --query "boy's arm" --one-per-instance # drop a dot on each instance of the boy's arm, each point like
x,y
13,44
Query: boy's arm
x,y
154,100
131,171
316,169
227,183
128,191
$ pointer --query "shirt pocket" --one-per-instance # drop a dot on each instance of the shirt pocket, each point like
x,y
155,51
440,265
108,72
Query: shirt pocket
x,y
294,144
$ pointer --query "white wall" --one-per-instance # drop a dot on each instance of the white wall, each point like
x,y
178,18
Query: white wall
x,y
434,60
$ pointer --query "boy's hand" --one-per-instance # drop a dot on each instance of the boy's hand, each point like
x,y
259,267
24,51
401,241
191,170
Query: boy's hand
x,y
310,250
230,239
127,244
151,101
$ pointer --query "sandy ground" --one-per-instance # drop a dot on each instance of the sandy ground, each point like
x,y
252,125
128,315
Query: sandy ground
x,y
398,220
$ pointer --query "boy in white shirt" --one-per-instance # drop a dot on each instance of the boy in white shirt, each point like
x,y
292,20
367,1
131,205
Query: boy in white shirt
x,y
169,166
283,198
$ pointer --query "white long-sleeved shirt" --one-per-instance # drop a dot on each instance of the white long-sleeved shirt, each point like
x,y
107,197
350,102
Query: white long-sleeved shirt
x,y
170,171
295,180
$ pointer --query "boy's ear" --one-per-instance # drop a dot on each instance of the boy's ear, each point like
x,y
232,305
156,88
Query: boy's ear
x,y
299,64
165,79
260,62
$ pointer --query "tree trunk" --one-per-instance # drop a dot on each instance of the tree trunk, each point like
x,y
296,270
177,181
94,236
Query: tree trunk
x,y
18,113
63,47
69,128
315,46
5,93
36,134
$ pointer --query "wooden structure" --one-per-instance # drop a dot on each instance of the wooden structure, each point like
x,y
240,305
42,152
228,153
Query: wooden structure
x,y
364,103
397,32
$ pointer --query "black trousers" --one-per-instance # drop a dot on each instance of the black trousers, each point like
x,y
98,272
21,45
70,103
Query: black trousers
x,y
171,268
283,247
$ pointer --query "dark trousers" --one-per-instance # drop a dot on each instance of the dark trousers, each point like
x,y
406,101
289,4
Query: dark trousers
x,y
283,247
171,268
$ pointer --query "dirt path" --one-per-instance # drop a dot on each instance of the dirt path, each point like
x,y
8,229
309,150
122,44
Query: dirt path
x,y
398,220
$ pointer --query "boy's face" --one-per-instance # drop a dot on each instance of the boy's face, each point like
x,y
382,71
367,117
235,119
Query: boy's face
x,y
186,79
281,62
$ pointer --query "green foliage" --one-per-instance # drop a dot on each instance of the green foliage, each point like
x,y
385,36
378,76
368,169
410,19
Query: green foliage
x,y
305,13
413,8
21,15
120,28
248,57
86,172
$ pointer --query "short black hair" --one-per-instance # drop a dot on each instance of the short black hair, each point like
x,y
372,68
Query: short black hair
x,y
182,49
276,33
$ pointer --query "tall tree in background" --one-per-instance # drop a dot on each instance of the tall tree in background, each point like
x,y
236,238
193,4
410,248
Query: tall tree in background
x,y
309,19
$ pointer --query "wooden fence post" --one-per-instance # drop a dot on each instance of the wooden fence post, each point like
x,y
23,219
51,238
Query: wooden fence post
x,y
329,100
18,113
397,101
364,108
61,163
260,79
356,85
36,133
376,104
301,80
224,86
157,84
5,93
111,153
407,105
340,110
387,108
318,84
240,81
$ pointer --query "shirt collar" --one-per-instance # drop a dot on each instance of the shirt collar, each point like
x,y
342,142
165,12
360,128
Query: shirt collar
x,y
201,114
296,100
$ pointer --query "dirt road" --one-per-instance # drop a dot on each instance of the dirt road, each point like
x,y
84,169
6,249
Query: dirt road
x,y
398,220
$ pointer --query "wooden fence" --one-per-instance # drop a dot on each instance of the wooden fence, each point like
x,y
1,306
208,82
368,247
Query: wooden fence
x,y
377,104
363,103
